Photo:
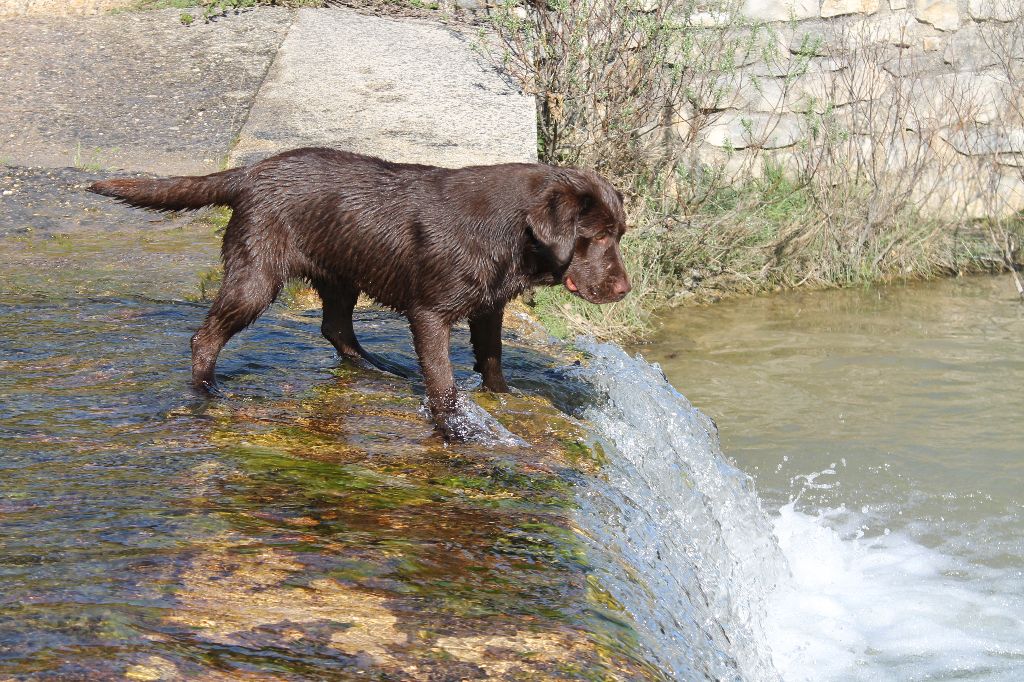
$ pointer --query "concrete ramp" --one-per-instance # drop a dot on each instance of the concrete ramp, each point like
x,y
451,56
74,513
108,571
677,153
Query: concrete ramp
x,y
402,90
132,91
88,98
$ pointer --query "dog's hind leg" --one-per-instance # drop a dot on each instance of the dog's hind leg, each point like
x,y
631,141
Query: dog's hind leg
x,y
248,289
339,300
485,335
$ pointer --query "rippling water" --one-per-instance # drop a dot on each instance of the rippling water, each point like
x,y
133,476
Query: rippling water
x,y
884,430
307,524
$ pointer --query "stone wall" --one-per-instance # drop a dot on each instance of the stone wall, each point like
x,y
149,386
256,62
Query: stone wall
x,y
926,94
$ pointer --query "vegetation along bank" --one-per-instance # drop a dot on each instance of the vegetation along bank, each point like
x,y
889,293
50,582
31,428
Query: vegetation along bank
x,y
770,145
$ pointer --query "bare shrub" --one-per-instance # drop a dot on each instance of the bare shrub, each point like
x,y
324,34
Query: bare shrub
x,y
628,86
870,161
1002,145
691,109
631,88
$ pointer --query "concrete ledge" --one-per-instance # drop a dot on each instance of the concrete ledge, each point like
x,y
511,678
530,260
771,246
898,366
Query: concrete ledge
x,y
59,8
404,90
131,91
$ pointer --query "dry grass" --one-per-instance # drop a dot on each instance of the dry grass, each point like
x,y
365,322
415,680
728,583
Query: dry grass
x,y
769,235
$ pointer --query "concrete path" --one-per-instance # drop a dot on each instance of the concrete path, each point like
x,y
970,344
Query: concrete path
x,y
86,98
131,91
143,92
403,90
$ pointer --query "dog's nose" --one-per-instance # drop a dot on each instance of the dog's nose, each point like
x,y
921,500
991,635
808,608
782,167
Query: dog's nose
x,y
622,287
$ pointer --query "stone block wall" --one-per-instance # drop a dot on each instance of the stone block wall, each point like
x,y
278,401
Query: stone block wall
x,y
926,94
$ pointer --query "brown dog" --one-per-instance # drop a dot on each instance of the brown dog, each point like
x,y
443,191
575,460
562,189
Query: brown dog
x,y
435,244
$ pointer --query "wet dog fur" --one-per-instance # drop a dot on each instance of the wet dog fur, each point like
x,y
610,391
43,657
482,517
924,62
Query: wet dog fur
x,y
436,244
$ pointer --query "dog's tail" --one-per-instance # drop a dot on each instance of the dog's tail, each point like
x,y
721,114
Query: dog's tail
x,y
174,194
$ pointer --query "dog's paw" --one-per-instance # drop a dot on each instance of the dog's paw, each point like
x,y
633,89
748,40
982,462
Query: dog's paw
x,y
470,423
207,389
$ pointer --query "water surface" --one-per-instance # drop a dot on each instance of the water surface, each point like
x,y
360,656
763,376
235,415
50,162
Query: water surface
x,y
308,524
885,427
305,524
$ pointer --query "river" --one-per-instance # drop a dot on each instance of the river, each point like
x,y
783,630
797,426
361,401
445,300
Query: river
x,y
884,429
860,518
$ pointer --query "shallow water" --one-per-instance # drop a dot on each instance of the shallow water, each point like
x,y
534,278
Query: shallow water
x,y
306,524
148,529
885,430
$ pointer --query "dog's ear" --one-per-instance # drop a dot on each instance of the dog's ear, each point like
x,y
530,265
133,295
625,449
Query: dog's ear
x,y
554,219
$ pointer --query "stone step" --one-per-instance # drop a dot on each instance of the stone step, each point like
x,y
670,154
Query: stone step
x,y
134,91
410,91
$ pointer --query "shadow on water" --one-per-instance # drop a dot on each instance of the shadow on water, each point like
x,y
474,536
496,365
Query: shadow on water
x,y
308,522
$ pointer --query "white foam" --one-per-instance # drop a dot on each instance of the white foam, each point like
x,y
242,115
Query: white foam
x,y
719,591
888,608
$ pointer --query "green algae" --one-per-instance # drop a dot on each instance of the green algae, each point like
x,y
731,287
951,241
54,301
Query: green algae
x,y
476,539
315,528
106,264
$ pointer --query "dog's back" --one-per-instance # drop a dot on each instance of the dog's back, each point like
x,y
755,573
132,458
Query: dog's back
x,y
407,234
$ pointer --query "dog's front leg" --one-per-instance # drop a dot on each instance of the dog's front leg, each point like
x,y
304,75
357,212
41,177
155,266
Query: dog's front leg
x,y
431,336
485,333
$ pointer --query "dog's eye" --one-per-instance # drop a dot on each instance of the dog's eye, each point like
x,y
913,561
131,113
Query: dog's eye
x,y
602,239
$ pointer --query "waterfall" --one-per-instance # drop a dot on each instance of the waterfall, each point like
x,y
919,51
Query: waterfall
x,y
686,547
717,588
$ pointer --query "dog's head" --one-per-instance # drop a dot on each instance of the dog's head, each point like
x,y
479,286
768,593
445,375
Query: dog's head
x,y
579,221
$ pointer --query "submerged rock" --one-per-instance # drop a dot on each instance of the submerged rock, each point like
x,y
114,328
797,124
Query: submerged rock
x,y
357,541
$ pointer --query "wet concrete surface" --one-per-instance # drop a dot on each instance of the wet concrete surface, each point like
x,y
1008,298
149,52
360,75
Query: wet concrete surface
x,y
136,91
410,91
48,202
55,237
